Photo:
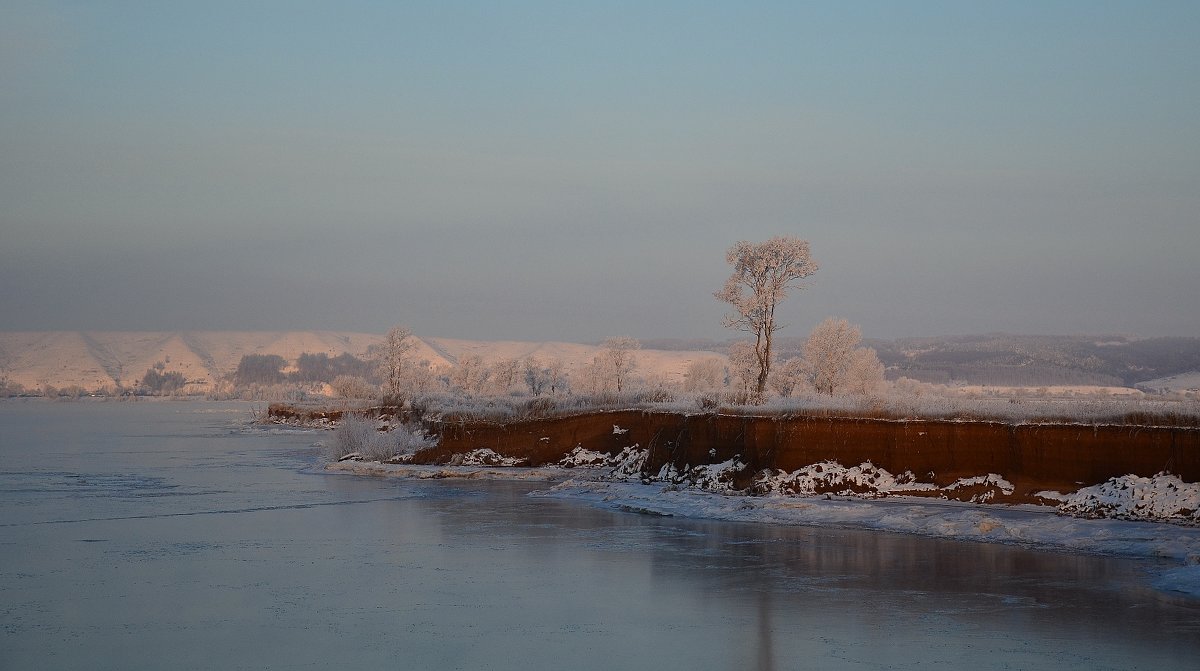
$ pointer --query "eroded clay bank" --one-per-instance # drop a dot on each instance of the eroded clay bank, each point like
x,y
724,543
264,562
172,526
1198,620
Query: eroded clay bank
x,y
1032,457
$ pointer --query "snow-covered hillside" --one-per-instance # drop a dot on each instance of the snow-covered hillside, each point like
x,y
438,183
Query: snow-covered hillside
x,y
95,360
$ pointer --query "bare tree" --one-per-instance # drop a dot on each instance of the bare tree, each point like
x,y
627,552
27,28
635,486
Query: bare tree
x,y
537,377
558,376
762,274
396,345
470,375
504,374
620,360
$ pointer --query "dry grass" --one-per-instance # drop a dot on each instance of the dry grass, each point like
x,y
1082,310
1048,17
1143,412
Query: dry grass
x,y
450,408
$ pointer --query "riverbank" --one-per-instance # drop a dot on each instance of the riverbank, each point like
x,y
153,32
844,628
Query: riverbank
x,y
924,477
1101,470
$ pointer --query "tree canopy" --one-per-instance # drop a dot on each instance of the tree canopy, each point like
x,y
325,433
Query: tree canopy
x,y
762,274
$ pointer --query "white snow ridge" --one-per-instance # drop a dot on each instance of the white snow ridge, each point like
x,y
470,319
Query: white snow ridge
x,y
1131,497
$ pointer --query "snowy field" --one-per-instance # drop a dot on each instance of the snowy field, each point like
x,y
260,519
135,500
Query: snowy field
x,y
1038,527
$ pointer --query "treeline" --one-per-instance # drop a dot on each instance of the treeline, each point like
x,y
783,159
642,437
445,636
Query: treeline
x,y
268,369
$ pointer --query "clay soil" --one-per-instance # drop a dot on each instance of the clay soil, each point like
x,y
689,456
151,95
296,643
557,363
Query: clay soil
x,y
1033,457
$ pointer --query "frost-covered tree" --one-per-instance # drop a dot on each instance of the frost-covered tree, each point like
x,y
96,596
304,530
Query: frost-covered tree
x,y
762,274
591,378
864,374
537,377
827,353
786,376
557,370
469,376
744,369
352,386
416,377
836,364
619,359
703,375
391,357
505,373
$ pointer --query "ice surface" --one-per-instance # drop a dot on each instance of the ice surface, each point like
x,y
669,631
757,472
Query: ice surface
x,y
1025,525
868,497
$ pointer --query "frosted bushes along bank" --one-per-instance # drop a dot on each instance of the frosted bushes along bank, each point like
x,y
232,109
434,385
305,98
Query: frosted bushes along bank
x,y
370,440
949,406
507,409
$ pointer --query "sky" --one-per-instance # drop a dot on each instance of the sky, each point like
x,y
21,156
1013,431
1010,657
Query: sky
x,y
572,171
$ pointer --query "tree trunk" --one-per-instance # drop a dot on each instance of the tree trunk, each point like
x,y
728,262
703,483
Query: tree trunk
x,y
764,369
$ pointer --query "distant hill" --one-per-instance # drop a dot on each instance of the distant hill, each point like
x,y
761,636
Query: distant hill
x,y
1020,360
107,360
99,360
1002,359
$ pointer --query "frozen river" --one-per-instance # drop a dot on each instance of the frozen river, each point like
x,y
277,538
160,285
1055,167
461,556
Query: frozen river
x,y
167,535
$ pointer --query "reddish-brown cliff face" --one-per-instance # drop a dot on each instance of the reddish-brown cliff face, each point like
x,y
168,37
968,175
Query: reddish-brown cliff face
x,y
1033,457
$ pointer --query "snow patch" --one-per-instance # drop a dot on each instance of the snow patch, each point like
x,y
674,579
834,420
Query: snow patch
x,y
485,457
628,463
583,458
865,481
624,465
717,478
989,483
1132,497
617,431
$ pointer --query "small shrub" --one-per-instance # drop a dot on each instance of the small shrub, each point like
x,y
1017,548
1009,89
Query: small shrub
x,y
655,395
540,407
350,386
351,436
357,435
708,400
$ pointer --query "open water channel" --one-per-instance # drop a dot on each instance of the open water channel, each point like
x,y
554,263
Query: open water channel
x,y
171,535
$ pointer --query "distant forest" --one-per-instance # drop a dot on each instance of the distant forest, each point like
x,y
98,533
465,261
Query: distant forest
x,y
1016,360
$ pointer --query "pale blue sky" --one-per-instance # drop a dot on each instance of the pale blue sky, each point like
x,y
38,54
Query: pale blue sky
x,y
551,170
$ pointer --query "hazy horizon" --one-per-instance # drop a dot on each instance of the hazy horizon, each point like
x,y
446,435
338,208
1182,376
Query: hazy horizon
x,y
540,171
646,342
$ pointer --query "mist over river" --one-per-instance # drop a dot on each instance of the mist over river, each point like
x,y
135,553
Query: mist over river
x,y
150,535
